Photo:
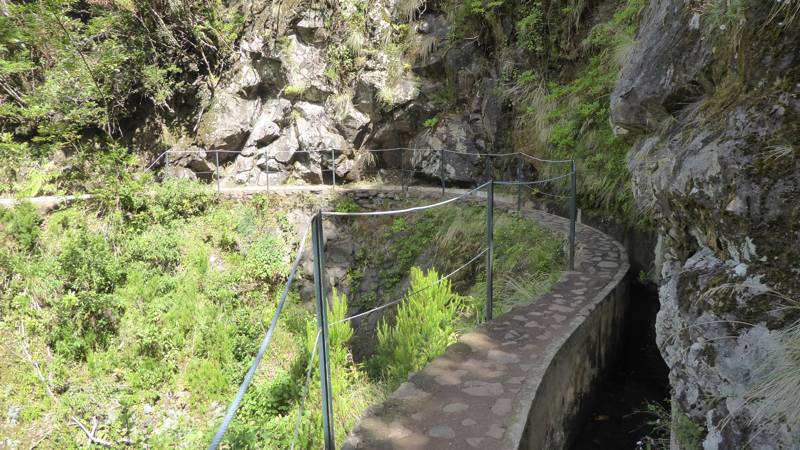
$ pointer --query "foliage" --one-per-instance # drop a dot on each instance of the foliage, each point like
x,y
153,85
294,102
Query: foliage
x,y
69,68
21,225
266,259
86,262
432,122
423,326
688,434
530,29
659,423
84,322
773,396
345,204
571,119
74,76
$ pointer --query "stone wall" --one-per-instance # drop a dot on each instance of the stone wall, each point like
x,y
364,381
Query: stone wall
x,y
566,391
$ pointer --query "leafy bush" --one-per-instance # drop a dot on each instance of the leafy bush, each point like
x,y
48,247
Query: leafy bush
x,y
87,263
206,380
423,328
178,199
22,224
530,29
84,322
267,259
157,246
346,204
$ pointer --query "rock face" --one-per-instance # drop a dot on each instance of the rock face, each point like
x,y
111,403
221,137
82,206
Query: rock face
x,y
461,161
717,106
325,83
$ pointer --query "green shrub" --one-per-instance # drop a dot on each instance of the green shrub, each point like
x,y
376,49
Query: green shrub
x,y
21,224
423,328
206,380
87,263
158,247
530,29
688,434
346,204
267,259
274,398
177,199
84,322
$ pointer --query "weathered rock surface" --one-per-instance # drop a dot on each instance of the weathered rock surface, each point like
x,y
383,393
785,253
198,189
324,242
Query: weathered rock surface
x,y
288,100
461,162
723,175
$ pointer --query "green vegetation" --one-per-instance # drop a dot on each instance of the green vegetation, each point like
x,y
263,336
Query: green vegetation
x,y
423,327
688,434
74,75
570,119
142,310
144,317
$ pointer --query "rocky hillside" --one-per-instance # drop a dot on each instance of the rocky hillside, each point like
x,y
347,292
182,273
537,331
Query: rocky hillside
x,y
713,91
346,77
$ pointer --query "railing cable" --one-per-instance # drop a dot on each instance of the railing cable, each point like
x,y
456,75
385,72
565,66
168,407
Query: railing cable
x,y
262,349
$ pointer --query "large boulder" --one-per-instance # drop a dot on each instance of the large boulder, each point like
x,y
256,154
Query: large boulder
x,y
669,68
316,131
304,68
268,124
311,26
462,165
228,121
318,138
353,124
368,85
278,154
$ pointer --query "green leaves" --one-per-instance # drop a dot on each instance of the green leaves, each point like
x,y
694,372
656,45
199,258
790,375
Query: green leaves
x,y
423,328
267,259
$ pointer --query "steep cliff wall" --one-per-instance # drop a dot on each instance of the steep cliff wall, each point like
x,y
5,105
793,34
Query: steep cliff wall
x,y
712,90
344,77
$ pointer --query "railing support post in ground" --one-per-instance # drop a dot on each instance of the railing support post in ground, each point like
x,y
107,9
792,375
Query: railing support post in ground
x,y
519,190
333,168
216,159
403,172
166,164
266,166
441,169
573,210
490,249
322,324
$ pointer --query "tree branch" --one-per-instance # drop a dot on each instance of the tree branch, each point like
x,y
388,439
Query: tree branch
x,y
90,434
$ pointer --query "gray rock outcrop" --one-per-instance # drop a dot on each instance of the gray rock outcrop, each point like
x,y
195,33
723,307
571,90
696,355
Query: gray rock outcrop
x,y
717,162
